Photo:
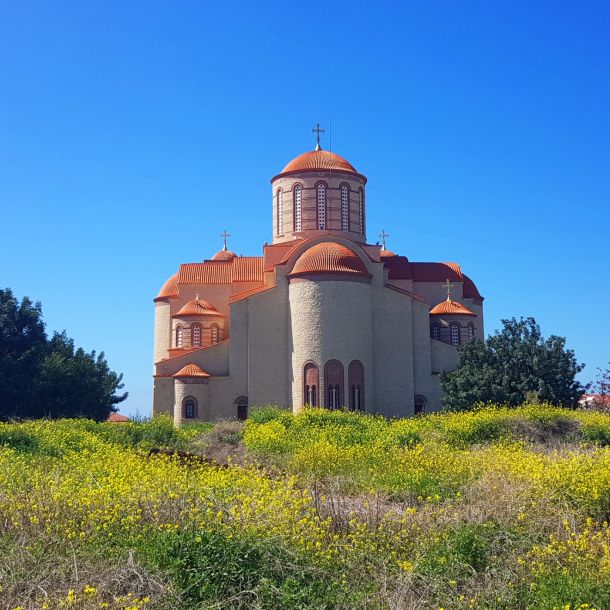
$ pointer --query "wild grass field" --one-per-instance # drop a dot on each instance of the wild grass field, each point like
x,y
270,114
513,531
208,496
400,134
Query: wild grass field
x,y
496,509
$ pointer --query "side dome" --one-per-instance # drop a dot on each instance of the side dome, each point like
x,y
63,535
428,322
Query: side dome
x,y
319,160
169,289
197,307
329,257
451,308
224,255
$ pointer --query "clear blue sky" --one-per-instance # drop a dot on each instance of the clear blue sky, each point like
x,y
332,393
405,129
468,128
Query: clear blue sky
x,y
483,127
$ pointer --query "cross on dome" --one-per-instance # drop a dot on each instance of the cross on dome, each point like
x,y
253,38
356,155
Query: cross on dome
x,y
448,286
383,236
318,130
224,235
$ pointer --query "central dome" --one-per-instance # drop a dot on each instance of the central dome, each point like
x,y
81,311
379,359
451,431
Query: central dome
x,y
329,257
319,160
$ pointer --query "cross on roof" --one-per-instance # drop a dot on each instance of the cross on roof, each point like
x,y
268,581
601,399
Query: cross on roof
x,y
383,236
224,235
448,286
318,130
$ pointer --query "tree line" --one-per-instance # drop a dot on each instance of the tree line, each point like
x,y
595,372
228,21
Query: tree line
x,y
49,377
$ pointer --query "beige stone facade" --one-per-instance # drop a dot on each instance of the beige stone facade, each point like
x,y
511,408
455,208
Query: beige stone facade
x,y
320,318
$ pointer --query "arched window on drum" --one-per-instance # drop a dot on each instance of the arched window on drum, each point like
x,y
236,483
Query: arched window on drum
x,y
344,207
355,384
321,190
310,384
298,201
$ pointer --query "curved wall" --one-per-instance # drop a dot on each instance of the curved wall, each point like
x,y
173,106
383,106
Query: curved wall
x,y
330,320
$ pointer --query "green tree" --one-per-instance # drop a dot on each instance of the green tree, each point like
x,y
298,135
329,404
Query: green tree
x,y
514,364
22,347
49,378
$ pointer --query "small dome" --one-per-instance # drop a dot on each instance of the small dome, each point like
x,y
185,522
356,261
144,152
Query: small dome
x,y
319,160
191,370
451,308
197,307
224,255
386,253
329,257
169,289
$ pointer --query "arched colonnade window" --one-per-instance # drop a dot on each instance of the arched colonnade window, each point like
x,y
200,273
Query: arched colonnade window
x,y
334,396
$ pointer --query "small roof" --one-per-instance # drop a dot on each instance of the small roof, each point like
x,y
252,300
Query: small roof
x,y
329,257
319,160
224,255
191,370
451,308
117,418
197,307
169,289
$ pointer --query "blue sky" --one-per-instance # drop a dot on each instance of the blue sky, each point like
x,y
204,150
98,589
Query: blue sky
x,y
483,128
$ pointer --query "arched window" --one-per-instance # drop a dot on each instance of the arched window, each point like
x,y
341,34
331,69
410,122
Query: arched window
x,y
321,207
241,404
196,335
333,381
310,384
470,331
435,331
280,213
361,210
189,406
355,377
344,207
179,336
215,334
420,404
455,333
298,197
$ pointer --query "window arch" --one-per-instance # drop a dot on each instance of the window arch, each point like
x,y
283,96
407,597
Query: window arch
x,y
321,190
420,404
241,405
355,376
179,336
361,209
280,213
298,199
310,384
470,331
454,333
215,332
196,335
189,408
344,207
435,331
333,382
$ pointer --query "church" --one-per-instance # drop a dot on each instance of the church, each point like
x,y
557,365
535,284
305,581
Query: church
x,y
322,318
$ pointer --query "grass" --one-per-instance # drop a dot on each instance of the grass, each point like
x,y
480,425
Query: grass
x,y
496,509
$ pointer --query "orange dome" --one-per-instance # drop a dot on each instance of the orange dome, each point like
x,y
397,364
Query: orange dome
x,y
169,289
197,307
383,253
224,255
319,160
191,370
329,257
451,308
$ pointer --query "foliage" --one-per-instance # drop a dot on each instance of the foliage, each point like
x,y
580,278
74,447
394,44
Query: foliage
x,y
49,378
498,508
512,366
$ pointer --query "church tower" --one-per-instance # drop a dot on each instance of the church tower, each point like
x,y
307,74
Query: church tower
x,y
318,192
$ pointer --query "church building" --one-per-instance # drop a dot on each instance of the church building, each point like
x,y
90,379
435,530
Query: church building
x,y
322,318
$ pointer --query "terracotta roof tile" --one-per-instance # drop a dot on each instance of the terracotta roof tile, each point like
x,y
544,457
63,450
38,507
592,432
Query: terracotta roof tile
x,y
197,307
117,418
398,266
238,269
169,289
224,255
191,370
329,257
470,290
248,293
451,308
317,160
436,272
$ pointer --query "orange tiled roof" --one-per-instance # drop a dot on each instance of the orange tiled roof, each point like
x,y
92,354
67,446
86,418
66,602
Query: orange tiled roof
x,y
329,257
169,289
224,255
117,418
451,308
319,160
238,269
398,266
436,272
388,253
197,307
191,370
470,290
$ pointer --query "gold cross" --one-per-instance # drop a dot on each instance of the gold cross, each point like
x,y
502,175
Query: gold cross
x,y
224,235
448,286
318,130
383,235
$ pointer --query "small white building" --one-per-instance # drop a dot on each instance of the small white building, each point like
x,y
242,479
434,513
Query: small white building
x,y
321,318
